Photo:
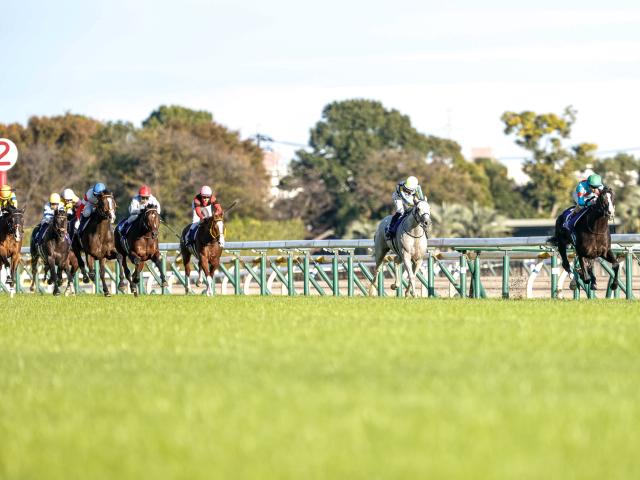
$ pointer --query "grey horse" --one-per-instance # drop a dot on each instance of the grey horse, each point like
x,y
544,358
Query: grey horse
x,y
409,244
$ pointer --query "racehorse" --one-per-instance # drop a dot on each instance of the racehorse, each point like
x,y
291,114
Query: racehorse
x,y
96,240
53,248
592,239
409,243
11,234
206,247
141,244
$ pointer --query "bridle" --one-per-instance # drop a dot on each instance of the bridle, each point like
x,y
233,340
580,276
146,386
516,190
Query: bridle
x,y
424,224
146,223
61,230
14,223
601,208
109,211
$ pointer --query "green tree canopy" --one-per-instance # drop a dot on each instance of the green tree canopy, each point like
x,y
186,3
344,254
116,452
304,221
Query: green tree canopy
x,y
552,167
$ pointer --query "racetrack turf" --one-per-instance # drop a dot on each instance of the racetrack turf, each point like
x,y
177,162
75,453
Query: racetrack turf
x,y
249,387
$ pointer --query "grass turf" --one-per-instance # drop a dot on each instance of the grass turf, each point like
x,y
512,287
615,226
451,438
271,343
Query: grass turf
x,y
318,388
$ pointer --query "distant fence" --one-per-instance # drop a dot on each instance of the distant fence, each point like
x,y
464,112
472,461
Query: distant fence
x,y
453,267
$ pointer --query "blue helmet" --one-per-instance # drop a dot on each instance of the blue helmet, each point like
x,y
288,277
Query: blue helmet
x,y
98,188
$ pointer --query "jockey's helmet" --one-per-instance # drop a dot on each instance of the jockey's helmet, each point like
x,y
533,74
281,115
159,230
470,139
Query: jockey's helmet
x,y
144,191
411,183
5,192
68,194
206,191
54,199
595,181
98,188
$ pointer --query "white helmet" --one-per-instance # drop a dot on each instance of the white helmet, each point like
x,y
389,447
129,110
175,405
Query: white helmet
x,y
67,194
411,183
206,191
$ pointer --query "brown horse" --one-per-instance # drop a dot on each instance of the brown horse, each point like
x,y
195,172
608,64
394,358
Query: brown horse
x,y
11,234
54,249
206,248
96,240
592,239
141,244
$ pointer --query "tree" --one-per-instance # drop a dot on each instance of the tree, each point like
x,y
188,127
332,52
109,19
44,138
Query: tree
x,y
629,211
359,151
621,173
552,168
166,115
507,197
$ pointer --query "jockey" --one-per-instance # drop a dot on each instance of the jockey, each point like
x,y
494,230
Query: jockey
x,y
51,207
86,205
405,196
205,205
585,194
69,200
7,199
139,202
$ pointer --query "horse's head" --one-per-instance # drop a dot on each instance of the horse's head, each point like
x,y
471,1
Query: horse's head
x,y
606,203
15,223
422,213
106,206
60,223
215,226
151,219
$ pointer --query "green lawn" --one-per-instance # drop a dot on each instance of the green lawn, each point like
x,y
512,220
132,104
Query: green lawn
x,y
195,388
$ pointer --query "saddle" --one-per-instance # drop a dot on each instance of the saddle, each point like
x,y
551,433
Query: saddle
x,y
190,237
569,220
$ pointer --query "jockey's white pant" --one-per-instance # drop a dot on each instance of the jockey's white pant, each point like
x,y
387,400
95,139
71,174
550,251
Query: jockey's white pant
x,y
399,206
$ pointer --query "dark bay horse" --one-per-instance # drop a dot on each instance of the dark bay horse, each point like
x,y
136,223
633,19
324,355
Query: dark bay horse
x,y
206,248
96,240
592,239
54,250
141,244
11,234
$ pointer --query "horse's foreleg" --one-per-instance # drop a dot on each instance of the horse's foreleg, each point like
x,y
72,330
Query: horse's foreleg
x,y
204,268
157,260
562,249
186,258
92,273
81,265
137,268
53,274
408,266
102,266
15,261
613,260
592,276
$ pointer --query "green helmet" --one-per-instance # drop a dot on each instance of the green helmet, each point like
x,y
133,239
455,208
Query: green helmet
x,y
595,180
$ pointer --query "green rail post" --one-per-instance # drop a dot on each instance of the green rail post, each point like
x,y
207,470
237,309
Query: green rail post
x,y
305,273
350,273
96,270
554,275
290,284
505,274
237,288
381,280
476,275
76,283
628,268
163,270
463,275
336,273
263,273
431,277
117,280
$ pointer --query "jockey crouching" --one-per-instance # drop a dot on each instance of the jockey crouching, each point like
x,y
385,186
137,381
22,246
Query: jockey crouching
x,y
205,205
585,195
405,196
87,204
8,200
138,203
70,202
50,209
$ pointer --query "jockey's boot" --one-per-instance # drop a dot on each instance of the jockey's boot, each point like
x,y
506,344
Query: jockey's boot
x,y
391,228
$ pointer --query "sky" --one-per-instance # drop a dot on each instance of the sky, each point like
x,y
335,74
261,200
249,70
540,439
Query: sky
x,y
454,67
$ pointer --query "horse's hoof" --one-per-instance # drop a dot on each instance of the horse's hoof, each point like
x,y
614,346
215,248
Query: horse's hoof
x,y
32,288
85,279
56,293
49,281
573,284
393,286
135,293
164,284
614,286
594,286
92,277
107,294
